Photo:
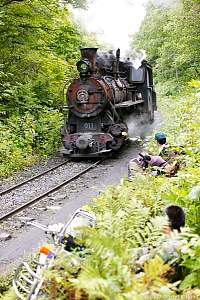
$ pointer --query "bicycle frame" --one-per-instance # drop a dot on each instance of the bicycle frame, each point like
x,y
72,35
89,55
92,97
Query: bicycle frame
x,y
27,281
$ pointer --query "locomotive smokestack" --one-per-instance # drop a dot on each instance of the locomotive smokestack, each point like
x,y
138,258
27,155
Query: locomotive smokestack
x,y
90,54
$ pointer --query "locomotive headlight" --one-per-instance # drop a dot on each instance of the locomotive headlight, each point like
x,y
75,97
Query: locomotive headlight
x,y
83,66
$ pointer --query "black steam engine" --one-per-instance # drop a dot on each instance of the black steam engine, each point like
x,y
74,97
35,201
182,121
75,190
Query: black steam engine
x,y
98,103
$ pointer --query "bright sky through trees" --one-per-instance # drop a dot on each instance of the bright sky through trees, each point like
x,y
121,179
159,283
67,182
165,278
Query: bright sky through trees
x,y
113,21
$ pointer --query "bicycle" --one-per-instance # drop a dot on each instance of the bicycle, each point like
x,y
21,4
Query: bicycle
x,y
28,277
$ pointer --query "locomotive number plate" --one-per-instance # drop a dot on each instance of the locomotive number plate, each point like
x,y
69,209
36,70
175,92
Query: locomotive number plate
x,y
91,126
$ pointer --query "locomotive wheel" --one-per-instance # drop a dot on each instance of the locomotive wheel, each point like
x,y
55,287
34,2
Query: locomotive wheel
x,y
115,130
119,141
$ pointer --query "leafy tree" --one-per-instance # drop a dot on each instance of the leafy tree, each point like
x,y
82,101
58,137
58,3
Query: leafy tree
x,y
39,43
170,37
74,3
39,47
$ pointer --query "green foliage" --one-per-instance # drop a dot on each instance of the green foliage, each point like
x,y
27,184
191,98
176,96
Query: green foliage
x,y
5,281
10,295
47,134
39,48
170,36
24,138
127,251
185,113
123,224
190,260
39,45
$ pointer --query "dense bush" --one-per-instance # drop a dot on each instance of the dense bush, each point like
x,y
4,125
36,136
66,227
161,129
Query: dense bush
x,y
39,47
25,138
127,255
5,282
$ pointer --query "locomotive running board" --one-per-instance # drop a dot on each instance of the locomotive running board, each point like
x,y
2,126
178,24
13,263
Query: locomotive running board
x,y
128,103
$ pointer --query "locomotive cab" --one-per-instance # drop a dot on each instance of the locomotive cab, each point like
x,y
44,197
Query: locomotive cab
x,y
136,75
142,79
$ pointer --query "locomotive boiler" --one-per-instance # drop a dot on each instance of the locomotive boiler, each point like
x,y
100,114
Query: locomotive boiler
x,y
99,101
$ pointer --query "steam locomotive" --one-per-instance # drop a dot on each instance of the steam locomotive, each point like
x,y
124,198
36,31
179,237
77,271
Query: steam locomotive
x,y
99,101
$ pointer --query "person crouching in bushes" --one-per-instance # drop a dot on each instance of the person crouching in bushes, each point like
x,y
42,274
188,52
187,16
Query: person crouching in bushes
x,y
167,151
161,141
156,163
167,244
176,218
161,166
166,162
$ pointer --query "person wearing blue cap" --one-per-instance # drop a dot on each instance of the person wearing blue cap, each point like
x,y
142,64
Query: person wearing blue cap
x,y
166,151
164,161
161,140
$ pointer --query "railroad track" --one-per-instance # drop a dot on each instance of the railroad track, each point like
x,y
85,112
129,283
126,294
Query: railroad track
x,y
43,195
14,187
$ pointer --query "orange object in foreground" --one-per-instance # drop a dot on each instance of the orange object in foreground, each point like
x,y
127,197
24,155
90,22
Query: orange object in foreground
x,y
45,249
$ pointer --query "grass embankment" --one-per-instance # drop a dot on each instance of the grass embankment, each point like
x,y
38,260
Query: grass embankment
x,y
129,230
26,139
127,256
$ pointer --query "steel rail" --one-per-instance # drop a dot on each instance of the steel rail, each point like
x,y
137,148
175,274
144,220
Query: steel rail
x,y
37,199
32,178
